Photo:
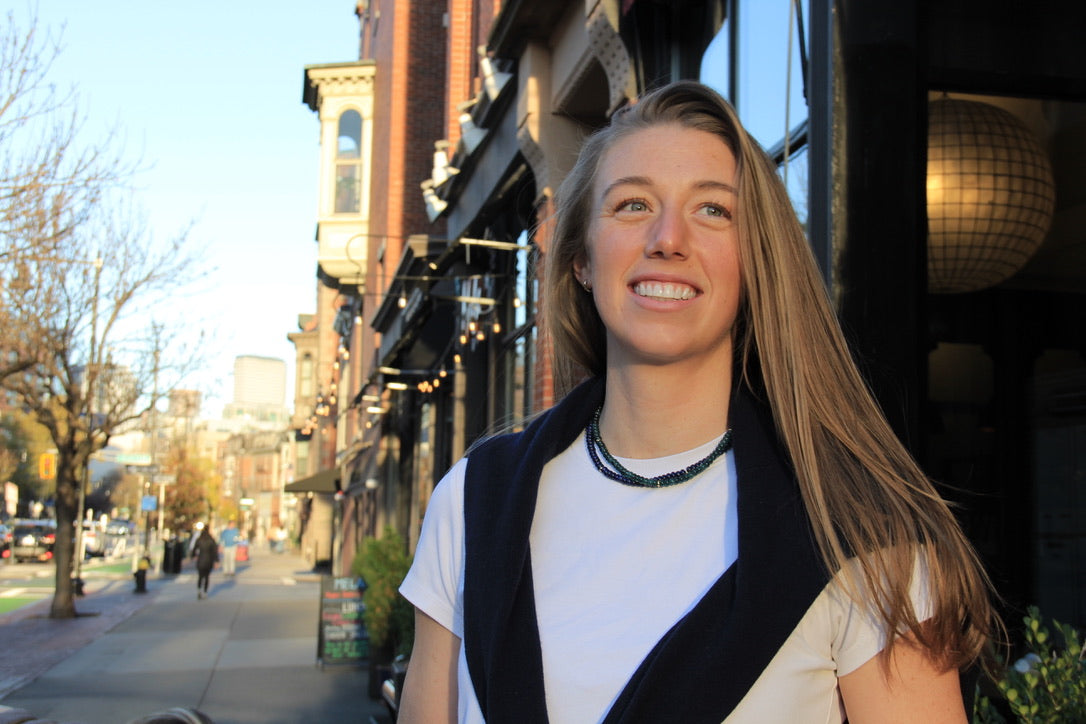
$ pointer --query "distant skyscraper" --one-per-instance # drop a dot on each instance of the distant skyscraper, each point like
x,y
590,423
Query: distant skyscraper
x,y
260,381
260,393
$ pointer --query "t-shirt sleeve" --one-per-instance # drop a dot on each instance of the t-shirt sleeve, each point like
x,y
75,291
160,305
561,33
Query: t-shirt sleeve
x,y
860,634
434,584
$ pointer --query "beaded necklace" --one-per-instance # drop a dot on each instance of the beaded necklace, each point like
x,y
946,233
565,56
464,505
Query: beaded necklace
x,y
594,440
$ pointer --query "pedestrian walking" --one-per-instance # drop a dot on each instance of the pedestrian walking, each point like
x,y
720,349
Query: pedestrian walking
x,y
718,524
206,553
229,540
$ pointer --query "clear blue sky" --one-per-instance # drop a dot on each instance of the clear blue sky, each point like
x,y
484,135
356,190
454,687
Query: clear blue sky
x,y
208,95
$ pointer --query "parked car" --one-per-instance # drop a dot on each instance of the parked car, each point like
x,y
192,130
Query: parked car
x,y
119,538
94,539
5,541
33,540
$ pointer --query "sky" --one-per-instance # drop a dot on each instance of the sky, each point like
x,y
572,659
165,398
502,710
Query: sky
x,y
208,96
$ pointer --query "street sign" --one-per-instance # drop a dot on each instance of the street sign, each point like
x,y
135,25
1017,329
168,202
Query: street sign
x,y
163,479
133,459
142,469
149,502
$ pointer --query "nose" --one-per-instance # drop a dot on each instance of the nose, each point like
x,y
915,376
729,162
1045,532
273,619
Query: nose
x,y
667,236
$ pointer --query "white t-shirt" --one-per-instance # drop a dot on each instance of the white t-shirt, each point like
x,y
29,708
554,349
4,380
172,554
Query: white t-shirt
x,y
624,564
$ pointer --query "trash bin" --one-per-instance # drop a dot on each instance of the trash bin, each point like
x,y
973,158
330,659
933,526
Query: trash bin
x,y
141,575
173,554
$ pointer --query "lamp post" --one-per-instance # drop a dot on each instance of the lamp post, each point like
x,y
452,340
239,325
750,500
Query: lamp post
x,y
90,379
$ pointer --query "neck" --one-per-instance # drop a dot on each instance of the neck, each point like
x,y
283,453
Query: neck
x,y
654,411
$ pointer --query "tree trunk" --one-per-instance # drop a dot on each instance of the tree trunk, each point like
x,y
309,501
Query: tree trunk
x,y
68,477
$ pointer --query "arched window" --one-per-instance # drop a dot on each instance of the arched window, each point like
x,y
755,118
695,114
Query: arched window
x,y
349,163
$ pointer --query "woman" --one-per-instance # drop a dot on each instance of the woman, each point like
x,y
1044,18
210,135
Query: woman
x,y
206,553
719,524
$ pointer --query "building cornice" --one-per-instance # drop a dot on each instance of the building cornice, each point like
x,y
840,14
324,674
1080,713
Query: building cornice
x,y
337,79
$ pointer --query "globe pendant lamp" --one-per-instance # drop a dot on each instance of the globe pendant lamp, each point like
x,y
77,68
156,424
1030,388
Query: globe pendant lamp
x,y
990,196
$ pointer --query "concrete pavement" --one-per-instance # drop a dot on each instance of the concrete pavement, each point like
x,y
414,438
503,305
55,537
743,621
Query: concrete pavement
x,y
244,655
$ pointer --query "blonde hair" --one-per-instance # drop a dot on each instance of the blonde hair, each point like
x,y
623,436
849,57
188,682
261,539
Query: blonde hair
x,y
865,495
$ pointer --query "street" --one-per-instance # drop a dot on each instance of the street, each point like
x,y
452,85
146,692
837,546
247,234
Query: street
x,y
246,654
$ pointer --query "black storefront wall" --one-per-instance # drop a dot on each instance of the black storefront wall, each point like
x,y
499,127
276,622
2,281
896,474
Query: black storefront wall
x,y
1030,50
868,170
879,275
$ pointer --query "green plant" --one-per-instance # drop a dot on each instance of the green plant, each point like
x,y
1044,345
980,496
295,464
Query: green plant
x,y
1048,684
390,620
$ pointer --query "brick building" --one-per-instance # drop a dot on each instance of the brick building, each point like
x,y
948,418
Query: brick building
x,y
983,381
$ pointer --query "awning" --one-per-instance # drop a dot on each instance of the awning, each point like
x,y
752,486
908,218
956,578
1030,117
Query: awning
x,y
326,481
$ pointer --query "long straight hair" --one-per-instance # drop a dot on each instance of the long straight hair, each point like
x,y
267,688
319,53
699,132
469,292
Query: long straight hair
x,y
867,499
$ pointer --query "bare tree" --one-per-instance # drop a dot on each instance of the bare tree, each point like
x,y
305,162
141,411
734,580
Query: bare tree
x,y
94,354
49,183
81,279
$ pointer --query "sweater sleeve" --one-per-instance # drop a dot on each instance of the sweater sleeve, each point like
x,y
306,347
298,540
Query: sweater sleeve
x,y
435,583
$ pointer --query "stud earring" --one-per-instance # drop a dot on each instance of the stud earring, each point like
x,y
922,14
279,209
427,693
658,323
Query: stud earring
x,y
586,285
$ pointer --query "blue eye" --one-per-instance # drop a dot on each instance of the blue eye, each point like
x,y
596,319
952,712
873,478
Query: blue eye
x,y
632,205
716,210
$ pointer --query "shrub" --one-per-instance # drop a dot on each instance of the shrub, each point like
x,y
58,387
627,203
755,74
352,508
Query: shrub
x,y
390,620
1048,684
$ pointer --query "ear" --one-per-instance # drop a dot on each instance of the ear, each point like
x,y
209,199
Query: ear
x,y
582,269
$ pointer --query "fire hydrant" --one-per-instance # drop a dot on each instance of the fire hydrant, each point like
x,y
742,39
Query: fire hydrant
x,y
141,574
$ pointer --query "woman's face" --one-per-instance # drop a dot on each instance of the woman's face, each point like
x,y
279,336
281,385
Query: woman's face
x,y
663,249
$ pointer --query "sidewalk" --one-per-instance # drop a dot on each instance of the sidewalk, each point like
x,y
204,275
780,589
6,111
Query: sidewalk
x,y
245,655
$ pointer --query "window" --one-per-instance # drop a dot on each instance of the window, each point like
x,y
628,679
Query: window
x,y
757,61
301,462
305,377
518,355
348,198
763,76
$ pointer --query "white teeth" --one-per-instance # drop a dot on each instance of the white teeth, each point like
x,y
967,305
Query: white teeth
x,y
661,290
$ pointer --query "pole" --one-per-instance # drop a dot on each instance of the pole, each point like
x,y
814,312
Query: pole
x,y
154,440
91,378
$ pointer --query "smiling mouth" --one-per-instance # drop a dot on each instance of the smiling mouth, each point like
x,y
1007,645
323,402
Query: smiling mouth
x,y
662,290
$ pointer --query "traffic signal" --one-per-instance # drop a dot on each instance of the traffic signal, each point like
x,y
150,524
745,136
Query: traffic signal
x,y
47,466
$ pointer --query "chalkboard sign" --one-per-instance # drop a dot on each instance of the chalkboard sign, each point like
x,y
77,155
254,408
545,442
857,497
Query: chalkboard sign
x,y
342,636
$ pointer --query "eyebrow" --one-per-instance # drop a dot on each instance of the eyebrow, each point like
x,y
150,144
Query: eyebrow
x,y
646,181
